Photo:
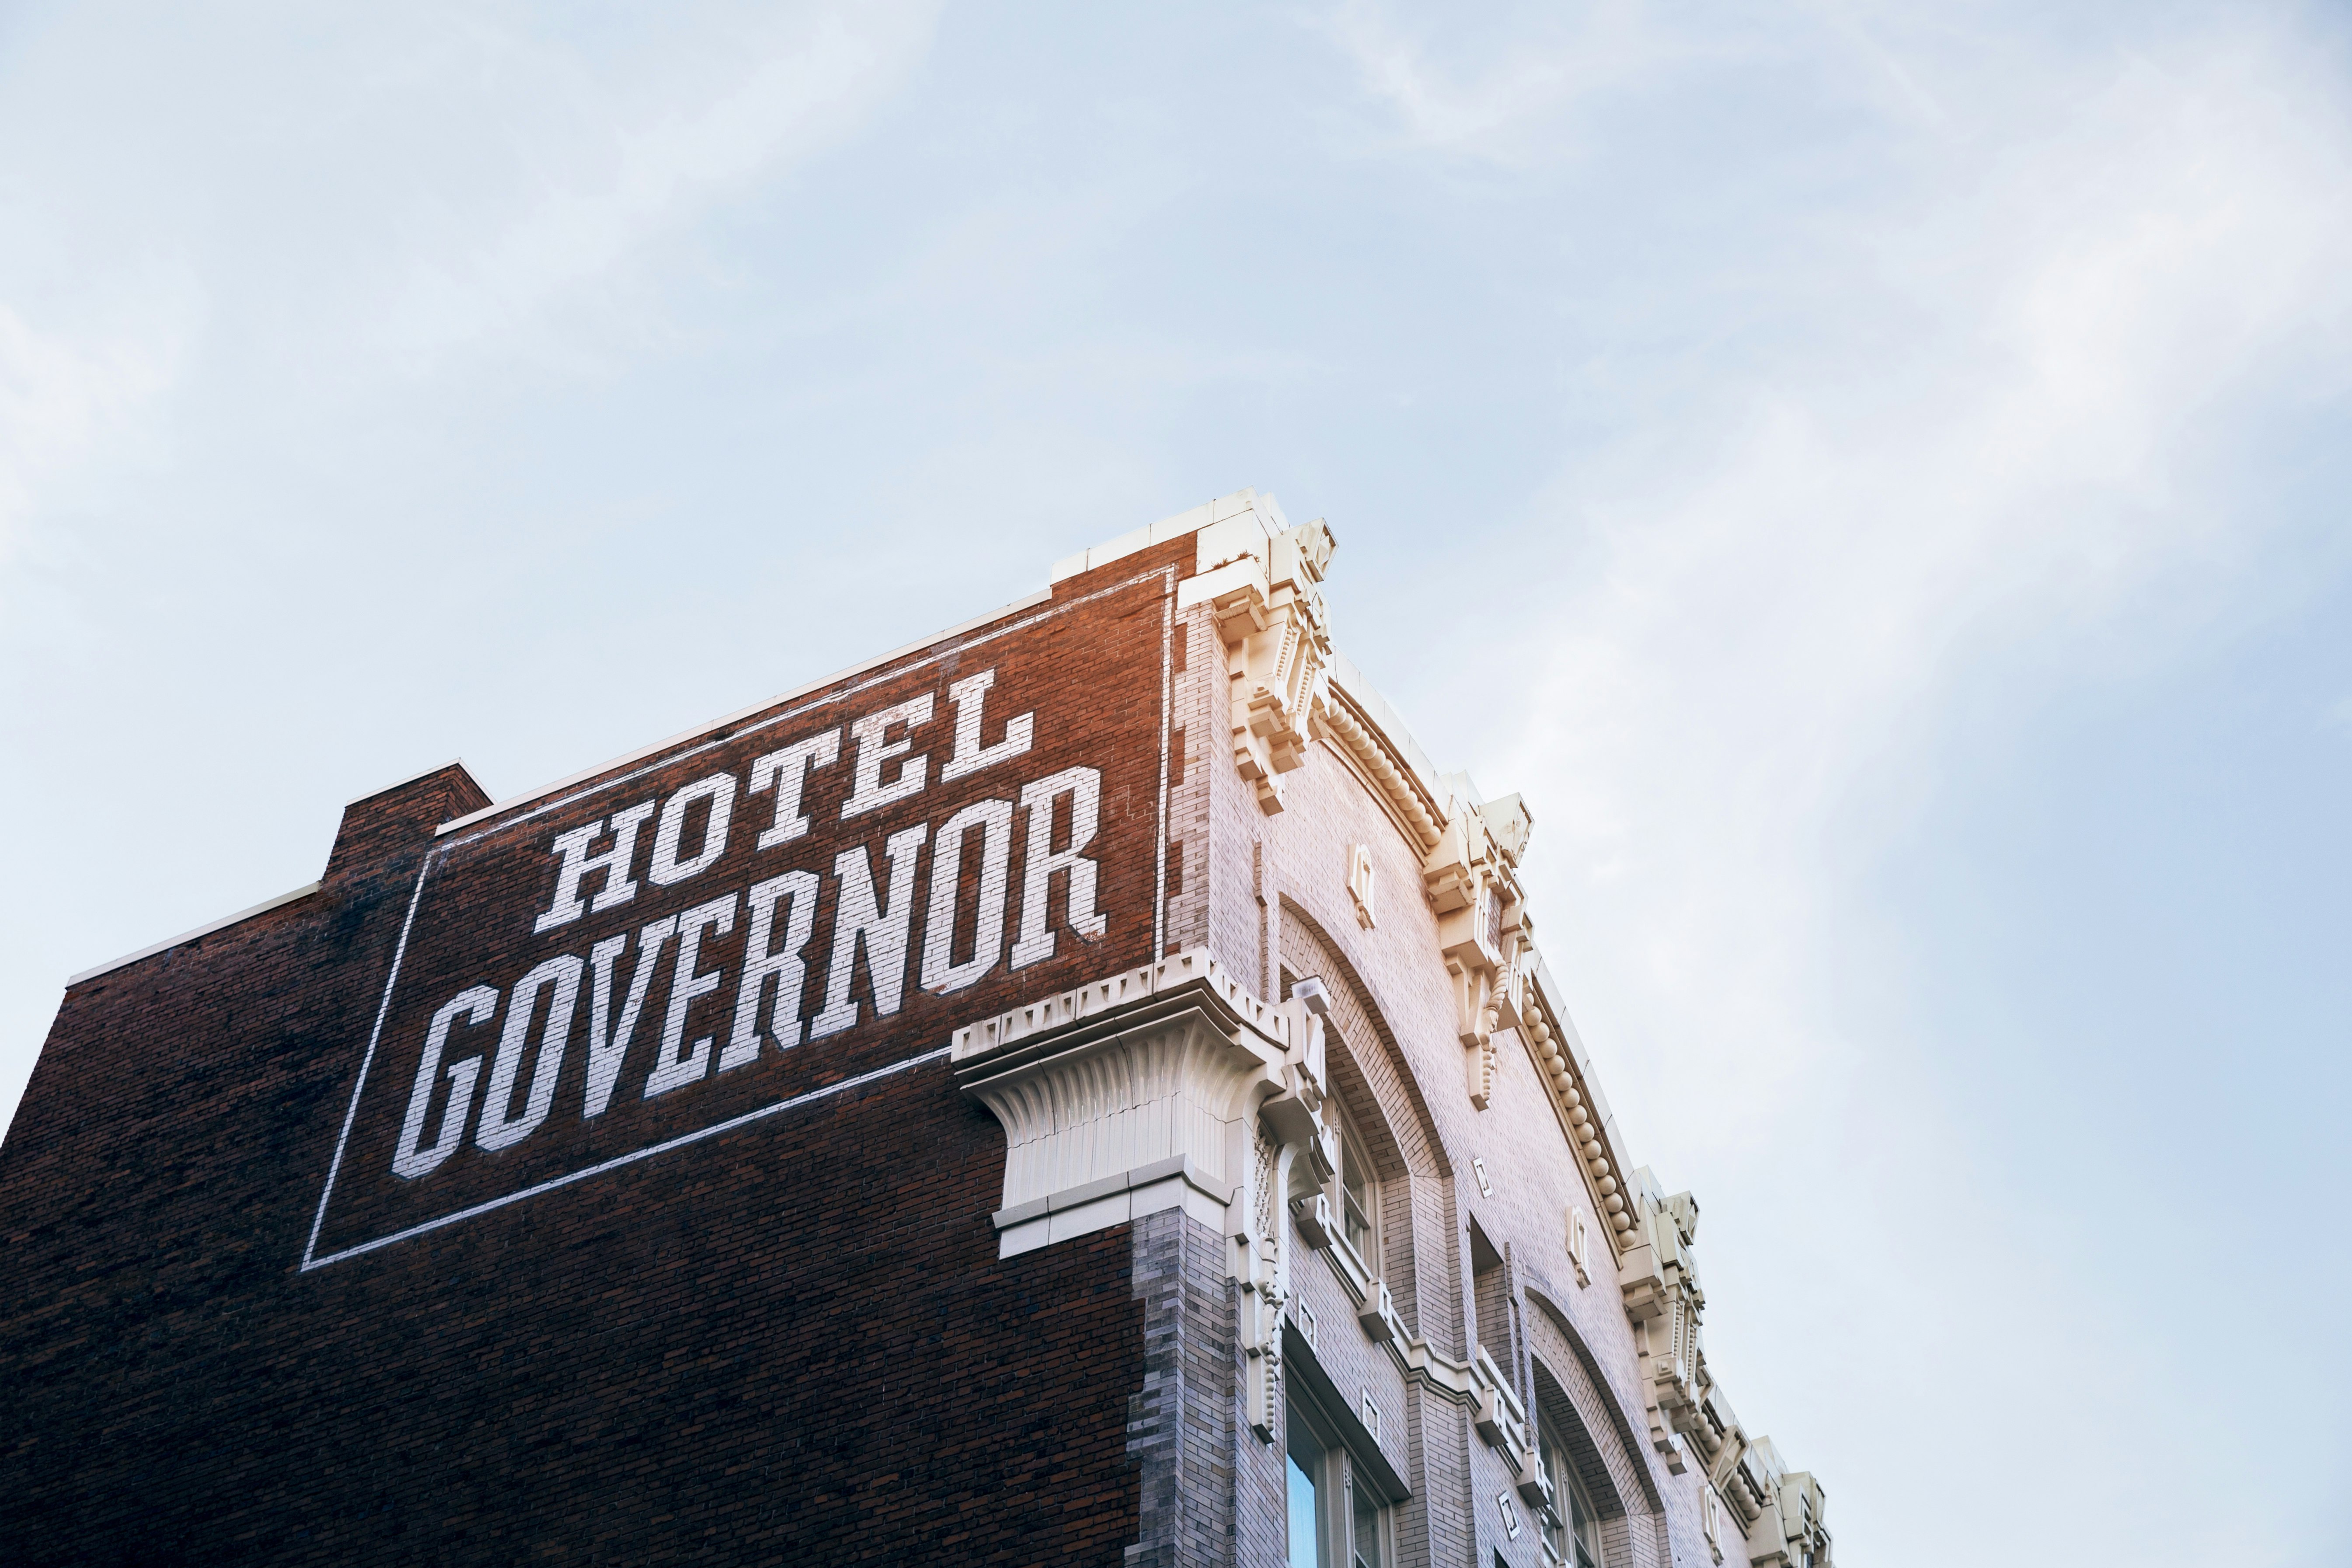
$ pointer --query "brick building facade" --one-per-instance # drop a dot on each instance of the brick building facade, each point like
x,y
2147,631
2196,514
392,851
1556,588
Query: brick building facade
x,y
1081,1089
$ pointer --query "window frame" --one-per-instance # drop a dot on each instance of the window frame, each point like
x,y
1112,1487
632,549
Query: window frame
x,y
1355,1154
1571,1504
1339,1482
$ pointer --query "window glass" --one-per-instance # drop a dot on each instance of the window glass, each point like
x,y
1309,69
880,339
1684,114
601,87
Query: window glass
x,y
1555,1518
1585,1526
1305,1471
1572,1528
1367,1530
1359,1197
1356,1187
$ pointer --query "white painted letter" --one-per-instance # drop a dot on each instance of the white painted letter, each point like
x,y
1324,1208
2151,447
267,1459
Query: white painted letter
x,y
496,1131
884,933
619,889
789,768
968,695
868,791
798,891
668,867
939,972
606,1047
673,1069
1084,786
409,1162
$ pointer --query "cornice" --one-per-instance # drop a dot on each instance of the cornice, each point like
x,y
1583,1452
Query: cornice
x,y
1384,764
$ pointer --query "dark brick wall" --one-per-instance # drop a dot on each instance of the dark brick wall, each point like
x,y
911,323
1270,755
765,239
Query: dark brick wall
x,y
1183,1425
790,1343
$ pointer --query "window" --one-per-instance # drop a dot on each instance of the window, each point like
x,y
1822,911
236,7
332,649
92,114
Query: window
x,y
1354,1194
1308,1460
1571,1526
1359,1194
1365,1535
1337,1519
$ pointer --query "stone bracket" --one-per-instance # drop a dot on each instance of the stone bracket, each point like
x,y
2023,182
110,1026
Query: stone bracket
x,y
1128,1096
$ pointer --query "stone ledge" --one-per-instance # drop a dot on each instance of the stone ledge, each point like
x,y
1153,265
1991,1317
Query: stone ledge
x,y
1126,1181
1132,1196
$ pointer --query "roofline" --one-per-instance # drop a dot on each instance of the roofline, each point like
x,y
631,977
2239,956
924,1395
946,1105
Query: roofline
x,y
304,891
458,762
1167,528
1026,601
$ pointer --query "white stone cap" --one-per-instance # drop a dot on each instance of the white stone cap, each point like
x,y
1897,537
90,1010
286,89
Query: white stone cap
x,y
1111,998
1150,1175
263,907
1244,508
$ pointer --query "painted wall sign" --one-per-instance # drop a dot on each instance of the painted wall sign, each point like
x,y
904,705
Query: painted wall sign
x,y
771,914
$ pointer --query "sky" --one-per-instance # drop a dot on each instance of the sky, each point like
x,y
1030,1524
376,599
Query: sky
x,y
1871,476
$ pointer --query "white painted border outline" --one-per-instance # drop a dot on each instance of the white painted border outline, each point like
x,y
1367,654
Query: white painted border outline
x,y
647,1152
383,1007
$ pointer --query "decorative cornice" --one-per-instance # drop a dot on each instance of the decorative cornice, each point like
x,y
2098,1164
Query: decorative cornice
x,y
1560,1060
1384,767
1150,1090
1795,1535
1129,1095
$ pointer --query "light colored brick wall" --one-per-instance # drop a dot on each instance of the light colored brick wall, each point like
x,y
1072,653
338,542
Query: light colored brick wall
x,y
1197,700
1394,1013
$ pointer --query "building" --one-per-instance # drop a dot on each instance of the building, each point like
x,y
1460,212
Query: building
x,y
1082,1087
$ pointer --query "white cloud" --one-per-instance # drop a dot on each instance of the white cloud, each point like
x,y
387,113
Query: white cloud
x,y
1769,616
2001,397
1498,104
64,394
736,119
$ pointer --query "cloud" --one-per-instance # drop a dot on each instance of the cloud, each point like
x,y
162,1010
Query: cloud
x,y
1989,396
736,120
65,394
301,218
1499,104
1767,619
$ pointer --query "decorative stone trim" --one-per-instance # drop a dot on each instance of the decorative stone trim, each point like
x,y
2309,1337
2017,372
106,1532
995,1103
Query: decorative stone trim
x,y
1794,1533
1665,1302
1266,596
1560,1058
1361,884
1165,1087
1172,1183
1483,930
1124,1096
1736,1468
1390,774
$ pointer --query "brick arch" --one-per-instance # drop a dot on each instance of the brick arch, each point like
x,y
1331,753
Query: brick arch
x,y
1608,1453
1368,1069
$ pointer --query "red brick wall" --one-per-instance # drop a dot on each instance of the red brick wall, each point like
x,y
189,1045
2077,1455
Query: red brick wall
x,y
790,1342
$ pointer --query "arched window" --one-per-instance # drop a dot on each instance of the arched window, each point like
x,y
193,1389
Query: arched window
x,y
1360,1192
1354,1194
1571,1526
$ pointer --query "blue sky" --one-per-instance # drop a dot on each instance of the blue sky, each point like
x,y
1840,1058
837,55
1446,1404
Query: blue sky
x,y
1871,476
